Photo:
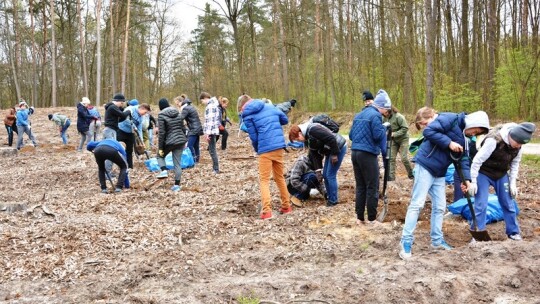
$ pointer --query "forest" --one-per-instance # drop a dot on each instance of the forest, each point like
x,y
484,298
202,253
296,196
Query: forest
x,y
453,55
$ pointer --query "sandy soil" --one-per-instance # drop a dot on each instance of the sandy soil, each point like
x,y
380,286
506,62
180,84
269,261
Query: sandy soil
x,y
62,241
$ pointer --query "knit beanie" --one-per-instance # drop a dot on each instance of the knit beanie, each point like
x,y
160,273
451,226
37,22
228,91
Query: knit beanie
x,y
382,100
293,102
133,102
119,97
366,95
163,103
50,116
523,132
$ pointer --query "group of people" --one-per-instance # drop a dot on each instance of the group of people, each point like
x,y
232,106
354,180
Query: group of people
x,y
447,137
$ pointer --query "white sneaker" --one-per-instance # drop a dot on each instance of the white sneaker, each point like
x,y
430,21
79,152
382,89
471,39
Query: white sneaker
x,y
162,174
515,237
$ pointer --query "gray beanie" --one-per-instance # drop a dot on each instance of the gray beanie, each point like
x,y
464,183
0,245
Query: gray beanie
x,y
523,132
382,100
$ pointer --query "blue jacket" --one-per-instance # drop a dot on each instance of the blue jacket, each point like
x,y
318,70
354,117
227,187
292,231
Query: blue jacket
x,y
22,117
136,120
107,142
83,118
434,154
263,122
367,132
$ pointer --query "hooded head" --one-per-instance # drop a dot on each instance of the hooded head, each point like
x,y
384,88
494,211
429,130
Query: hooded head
x,y
133,102
478,119
382,100
85,101
163,103
50,116
92,145
293,102
522,133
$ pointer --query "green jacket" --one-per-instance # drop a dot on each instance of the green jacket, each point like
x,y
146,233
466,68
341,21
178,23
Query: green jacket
x,y
59,119
399,125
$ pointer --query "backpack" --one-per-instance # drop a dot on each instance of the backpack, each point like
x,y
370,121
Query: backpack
x,y
326,121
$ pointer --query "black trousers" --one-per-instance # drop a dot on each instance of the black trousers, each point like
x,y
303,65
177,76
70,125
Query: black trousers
x,y
224,136
366,175
103,153
129,140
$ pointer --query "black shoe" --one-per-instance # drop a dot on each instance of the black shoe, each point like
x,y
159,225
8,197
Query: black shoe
x,y
330,204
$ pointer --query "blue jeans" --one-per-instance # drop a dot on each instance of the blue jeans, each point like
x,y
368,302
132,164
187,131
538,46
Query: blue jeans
x,y
502,190
21,130
310,179
425,183
193,145
330,175
64,130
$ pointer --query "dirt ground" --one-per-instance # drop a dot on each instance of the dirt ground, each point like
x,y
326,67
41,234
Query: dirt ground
x,y
62,241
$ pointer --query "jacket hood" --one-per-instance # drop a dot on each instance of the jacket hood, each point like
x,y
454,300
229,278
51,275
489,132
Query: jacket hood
x,y
170,112
477,119
91,145
108,105
255,106
303,127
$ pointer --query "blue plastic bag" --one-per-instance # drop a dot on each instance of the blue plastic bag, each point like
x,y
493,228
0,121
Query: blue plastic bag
x,y
449,176
186,161
493,212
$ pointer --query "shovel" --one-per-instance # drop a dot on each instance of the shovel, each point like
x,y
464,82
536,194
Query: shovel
x,y
386,163
481,236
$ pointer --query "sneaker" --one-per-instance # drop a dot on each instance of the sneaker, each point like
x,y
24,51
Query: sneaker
x,y
216,171
117,190
515,237
104,191
405,252
296,202
442,245
331,204
162,174
285,210
266,215
175,188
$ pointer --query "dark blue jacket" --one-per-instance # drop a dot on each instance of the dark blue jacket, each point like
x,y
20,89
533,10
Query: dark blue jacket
x,y
434,154
107,142
83,118
367,132
264,122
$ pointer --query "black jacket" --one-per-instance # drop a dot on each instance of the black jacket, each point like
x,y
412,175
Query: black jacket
x,y
172,132
113,115
322,142
192,120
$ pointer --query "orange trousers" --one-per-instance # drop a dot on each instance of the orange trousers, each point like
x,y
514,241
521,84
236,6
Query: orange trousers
x,y
272,163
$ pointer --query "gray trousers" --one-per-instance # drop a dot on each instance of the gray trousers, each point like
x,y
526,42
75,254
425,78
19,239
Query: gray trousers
x,y
177,158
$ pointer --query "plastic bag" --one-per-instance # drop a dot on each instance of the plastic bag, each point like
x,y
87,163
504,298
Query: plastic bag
x,y
186,161
493,211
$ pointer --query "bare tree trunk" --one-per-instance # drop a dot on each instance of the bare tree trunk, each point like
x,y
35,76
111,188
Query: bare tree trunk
x,y
126,39
465,41
283,51
111,47
53,55
98,52
83,49
430,38
9,51
525,23
34,52
492,44
253,36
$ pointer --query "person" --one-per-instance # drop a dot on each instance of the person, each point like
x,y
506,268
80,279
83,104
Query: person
x,y
63,123
95,122
367,97
151,129
10,123
211,126
286,106
83,122
368,136
23,124
113,115
171,138
400,142
323,145
497,164
301,179
223,103
263,122
126,128
114,151
443,133
193,122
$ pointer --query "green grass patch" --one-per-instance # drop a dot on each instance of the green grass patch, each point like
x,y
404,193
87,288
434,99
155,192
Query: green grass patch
x,y
249,299
533,162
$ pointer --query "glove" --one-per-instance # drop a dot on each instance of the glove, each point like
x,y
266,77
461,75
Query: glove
x,y
333,159
161,153
472,189
221,128
318,174
386,125
513,189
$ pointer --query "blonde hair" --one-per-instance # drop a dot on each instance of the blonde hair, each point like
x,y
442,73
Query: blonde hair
x,y
423,114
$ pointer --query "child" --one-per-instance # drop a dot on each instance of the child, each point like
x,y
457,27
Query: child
x,y
63,123
23,124
10,123
83,121
211,126
400,142
111,150
301,179
496,164
95,123
443,133
193,123
223,103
